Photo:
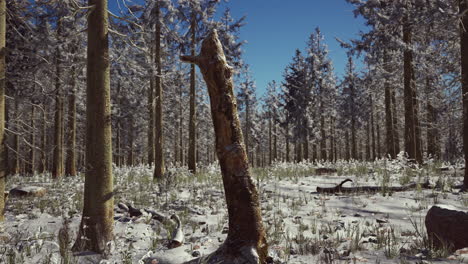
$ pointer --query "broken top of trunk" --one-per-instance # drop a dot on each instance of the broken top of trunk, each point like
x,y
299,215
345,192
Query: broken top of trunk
x,y
246,242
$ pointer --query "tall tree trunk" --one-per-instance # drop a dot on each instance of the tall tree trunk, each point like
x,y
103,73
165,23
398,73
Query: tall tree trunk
x,y
275,142
43,164
151,123
347,149
2,106
323,140
412,143
286,135
70,164
463,6
181,133
374,154
192,121
378,136
270,147
353,139
96,228
32,142
389,114
246,242
396,137
247,131
159,139
432,131
16,165
57,169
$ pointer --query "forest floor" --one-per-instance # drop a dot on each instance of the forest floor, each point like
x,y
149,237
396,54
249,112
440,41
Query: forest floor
x,y
302,226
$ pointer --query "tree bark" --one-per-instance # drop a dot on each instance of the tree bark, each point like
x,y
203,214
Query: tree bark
x,y
246,242
16,143
192,166
159,139
464,79
32,142
412,141
43,167
2,106
70,164
96,228
151,123
57,169
323,140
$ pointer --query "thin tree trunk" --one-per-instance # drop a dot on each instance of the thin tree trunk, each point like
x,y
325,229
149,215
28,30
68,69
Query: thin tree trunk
x,y
43,167
2,106
286,133
16,166
96,228
396,137
159,139
151,123
70,164
275,142
389,139
192,129
57,169
464,80
323,140
347,149
32,142
374,154
246,242
270,147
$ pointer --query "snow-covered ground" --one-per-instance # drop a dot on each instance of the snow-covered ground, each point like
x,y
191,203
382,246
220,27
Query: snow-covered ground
x,y
302,226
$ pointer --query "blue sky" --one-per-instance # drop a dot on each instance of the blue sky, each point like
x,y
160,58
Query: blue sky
x,y
275,28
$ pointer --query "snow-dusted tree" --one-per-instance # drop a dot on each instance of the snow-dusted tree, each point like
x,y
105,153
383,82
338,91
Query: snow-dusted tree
x,y
247,102
195,13
271,109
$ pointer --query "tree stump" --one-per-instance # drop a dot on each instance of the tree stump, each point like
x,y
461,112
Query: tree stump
x,y
447,227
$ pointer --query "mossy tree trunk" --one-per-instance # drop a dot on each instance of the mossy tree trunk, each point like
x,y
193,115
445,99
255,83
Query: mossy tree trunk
x,y
96,228
246,242
2,106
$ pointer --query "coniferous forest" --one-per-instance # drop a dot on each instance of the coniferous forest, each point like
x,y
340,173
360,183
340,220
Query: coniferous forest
x,y
133,131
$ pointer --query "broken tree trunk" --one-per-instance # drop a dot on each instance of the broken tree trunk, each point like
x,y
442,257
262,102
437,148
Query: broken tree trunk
x,y
368,189
246,242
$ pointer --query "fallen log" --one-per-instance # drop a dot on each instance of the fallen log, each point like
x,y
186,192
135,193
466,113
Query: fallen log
x,y
368,189
135,212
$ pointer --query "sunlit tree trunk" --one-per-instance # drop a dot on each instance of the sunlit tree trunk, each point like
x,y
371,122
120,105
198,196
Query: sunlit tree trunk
x,y
96,228
245,242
